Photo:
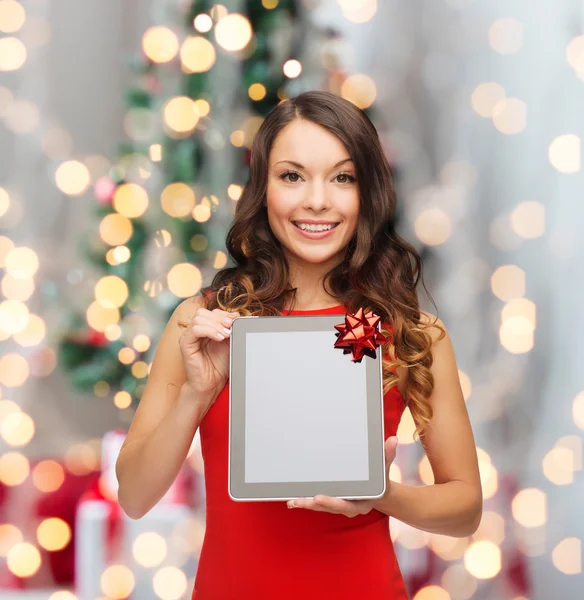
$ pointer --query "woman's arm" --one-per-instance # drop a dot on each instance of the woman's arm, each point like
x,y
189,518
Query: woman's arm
x,y
163,427
453,504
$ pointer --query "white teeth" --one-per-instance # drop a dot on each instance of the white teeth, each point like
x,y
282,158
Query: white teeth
x,y
306,227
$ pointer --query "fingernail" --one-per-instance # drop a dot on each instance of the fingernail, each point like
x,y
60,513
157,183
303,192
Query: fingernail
x,y
227,321
291,505
227,331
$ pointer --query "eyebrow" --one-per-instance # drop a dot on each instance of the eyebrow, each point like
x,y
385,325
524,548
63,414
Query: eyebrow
x,y
302,166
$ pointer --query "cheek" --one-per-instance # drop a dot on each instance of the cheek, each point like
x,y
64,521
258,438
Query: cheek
x,y
281,205
352,215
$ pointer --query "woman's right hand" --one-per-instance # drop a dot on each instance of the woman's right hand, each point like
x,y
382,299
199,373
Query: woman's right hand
x,y
204,346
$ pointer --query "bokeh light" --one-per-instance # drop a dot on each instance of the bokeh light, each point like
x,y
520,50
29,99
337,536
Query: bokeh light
x,y
72,177
33,333
130,200
482,559
10,535
115,229
53,534
432,592
99,317
510,116
23,559
459,583
203,23
558,466
12,16
360,89
506,35
122,399
12,54
528,219
567,556
508,282
448,547
197,54
21,262
433,226
485,97
22,116
48,475
184,280
358,11
181,114
177,199
160,44
14,369
17,429
111,291
14,468
529,507
149,549
14,316
117,582
233,32
565,153
292,68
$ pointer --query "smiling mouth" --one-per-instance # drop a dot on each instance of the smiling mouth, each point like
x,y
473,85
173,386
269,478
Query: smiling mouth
x,y
297,225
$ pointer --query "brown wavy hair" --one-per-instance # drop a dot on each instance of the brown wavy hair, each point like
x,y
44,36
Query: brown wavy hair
x,y
380,270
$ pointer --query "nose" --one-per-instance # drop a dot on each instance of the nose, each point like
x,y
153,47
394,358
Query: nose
x,y
316,198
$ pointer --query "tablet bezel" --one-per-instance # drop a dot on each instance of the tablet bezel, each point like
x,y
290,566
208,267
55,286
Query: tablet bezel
x,y
241,491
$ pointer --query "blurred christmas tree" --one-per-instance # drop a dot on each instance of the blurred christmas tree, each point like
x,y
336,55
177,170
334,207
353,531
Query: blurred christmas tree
x,y
164,207
162,210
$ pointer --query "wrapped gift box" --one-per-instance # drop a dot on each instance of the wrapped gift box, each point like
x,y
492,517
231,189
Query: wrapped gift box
x,y
93,551
106,537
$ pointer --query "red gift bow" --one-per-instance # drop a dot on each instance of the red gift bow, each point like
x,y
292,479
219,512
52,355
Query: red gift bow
x,y
359,334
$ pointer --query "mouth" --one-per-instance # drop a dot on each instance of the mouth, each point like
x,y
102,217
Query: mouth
x,y
315,233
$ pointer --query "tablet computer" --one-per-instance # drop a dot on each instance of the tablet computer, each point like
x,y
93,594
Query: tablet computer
x,y
304,418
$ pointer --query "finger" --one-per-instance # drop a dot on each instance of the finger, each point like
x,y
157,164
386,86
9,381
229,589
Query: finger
x,y
224,314
215,319
226,318
325,504
223,318
308,504
213,331
337,505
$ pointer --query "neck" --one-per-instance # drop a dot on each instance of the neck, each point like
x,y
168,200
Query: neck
x,y
308,279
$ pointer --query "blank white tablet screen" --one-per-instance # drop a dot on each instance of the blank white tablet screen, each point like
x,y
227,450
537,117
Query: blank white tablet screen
x,y
305,409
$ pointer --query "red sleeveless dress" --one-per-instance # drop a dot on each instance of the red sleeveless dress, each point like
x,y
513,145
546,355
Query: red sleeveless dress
x,y
266,551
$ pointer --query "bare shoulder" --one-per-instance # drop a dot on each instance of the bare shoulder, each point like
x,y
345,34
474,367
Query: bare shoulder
x,y
191,304
186,310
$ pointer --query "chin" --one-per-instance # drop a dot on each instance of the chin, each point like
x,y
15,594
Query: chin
x,y
316,258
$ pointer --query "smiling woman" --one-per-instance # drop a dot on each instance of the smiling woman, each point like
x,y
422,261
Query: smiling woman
x,y
313,227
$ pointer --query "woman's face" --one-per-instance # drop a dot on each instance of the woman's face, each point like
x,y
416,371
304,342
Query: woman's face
x,y
321,186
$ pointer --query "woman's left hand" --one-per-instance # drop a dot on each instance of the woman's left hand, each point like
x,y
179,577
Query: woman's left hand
x,y
350,508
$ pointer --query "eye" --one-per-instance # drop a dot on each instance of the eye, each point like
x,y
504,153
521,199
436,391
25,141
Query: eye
x,y
349,176
284,175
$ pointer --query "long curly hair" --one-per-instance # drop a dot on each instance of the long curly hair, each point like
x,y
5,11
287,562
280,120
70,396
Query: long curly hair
x,y
380,271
